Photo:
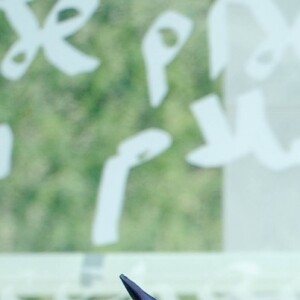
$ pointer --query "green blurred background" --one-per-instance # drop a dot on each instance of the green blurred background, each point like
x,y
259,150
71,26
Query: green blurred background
x,y
66,127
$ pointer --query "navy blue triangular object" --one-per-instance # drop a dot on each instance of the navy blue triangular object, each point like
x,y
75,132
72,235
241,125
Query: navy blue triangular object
x,y
135,292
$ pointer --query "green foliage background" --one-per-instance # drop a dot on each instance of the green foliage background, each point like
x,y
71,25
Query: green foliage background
x,y
66,127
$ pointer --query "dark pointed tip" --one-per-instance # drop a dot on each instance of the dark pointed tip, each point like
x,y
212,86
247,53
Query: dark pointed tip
x,y
135,292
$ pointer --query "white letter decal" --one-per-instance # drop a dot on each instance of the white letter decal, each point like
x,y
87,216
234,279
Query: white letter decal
x,y
279,36
6,143
157,55
131,153
253,135
51,38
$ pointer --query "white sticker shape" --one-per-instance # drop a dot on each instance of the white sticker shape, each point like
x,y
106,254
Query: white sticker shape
x,y
132,152
158,55
6,145
51,37
253,135
279,36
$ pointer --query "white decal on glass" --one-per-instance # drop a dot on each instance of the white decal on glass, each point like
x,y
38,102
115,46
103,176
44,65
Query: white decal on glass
x,y
132,152
252,135
6,144
51,37
158,55
279,36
